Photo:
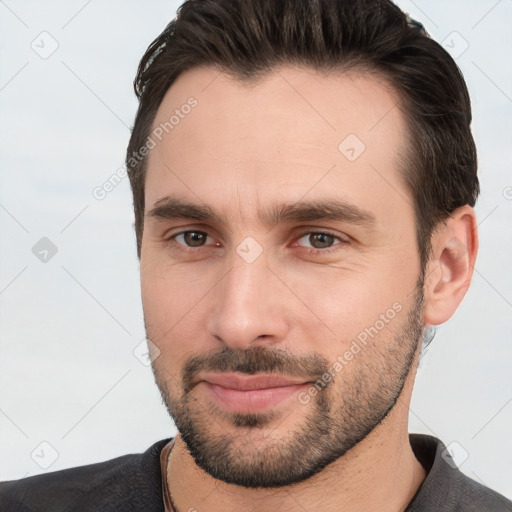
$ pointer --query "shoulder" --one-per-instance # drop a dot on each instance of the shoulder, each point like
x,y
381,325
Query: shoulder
x,y
129,483
446,488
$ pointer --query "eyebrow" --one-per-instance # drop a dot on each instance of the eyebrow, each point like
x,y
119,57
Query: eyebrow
x,y
173,208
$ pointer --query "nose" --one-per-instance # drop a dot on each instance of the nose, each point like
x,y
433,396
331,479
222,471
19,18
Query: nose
x,y
250,306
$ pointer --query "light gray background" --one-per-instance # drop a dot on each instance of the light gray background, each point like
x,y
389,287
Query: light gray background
x,y
68,376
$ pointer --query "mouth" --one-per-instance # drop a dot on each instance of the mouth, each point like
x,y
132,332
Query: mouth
x,y
249,393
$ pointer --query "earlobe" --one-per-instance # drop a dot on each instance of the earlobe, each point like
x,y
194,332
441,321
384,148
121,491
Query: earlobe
x,y
450,269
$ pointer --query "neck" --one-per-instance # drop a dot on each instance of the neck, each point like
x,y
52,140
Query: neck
x,y
380,474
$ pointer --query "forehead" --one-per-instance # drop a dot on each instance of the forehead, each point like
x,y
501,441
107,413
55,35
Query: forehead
x,y
293,132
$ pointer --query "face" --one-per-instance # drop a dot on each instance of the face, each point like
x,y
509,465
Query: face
x,y
280,274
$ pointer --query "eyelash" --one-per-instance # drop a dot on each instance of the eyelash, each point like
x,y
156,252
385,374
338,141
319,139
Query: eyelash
x,y
328,250
309,250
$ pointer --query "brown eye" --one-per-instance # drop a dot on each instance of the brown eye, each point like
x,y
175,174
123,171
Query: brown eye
x,y
318,240
321,240
192,238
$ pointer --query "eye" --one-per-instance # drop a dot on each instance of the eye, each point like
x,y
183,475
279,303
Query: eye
x,y
320,242
190,238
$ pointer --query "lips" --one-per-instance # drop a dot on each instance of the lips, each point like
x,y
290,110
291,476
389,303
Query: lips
x,y
249,382
249,393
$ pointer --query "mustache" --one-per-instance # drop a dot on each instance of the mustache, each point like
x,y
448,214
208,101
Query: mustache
x,y
252,361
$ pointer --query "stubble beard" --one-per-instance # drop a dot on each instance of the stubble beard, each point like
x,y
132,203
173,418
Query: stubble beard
x,y
248,450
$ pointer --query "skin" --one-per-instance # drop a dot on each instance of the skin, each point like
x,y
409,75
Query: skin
x,y
242,150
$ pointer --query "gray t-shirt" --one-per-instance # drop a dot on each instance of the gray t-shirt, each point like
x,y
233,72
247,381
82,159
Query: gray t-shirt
x,y
446,488
133,483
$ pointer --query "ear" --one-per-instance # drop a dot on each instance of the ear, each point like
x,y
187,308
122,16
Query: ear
x,y
450,268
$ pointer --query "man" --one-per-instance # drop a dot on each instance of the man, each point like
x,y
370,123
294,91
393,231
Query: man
x,y
304,177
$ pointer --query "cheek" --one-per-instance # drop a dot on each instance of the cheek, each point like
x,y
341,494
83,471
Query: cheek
x,y
174,303
365,304
169,292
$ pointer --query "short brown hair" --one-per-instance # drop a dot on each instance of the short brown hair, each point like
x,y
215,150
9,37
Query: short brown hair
x,y
249,38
